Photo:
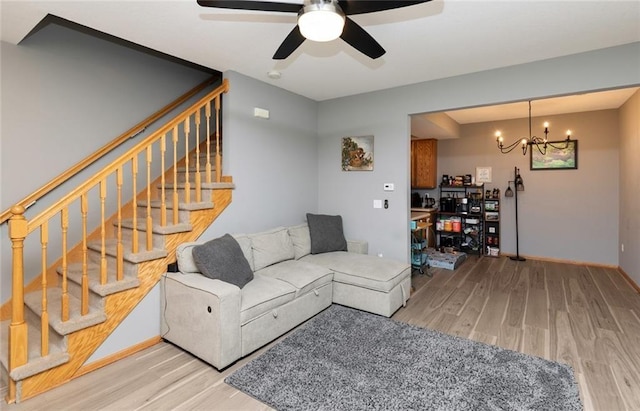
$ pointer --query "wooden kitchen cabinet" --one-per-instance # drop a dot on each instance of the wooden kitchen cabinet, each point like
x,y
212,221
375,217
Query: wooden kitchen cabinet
x,y
424,163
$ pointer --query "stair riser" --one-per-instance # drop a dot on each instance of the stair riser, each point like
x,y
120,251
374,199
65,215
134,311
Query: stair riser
x,y
76,290
128,269
55,339
182,175
206,195
183,215
158,240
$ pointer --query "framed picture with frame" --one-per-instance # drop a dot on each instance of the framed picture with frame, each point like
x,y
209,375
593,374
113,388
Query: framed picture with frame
x,y
565,157
357,153
483,175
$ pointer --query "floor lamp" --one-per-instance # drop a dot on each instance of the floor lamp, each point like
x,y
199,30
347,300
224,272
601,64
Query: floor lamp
x,y
519,184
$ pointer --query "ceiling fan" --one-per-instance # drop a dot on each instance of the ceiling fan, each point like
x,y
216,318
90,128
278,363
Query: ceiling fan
x,y
321,20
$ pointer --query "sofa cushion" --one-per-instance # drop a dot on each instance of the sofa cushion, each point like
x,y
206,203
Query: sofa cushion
x,y
184,258
245,245
380,274
326,233
222,259
301,240
270,247
263,294
302,275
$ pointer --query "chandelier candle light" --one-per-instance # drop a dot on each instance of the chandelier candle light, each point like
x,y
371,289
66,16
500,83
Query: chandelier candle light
x,y
540,143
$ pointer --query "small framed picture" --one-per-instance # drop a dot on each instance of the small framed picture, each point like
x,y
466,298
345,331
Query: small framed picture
x,y
483,175
357,153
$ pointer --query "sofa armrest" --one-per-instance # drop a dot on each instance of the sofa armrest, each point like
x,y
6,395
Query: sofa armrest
x,y
358,246
202,316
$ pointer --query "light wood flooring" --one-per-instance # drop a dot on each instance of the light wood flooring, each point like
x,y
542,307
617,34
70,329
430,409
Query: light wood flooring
x,y
585,316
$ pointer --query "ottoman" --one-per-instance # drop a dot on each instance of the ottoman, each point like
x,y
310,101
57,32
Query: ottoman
x,y
369,283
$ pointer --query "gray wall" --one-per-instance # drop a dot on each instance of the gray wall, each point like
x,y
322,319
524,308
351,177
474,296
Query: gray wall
x,y
630,187
64,95
560,211
273,162
385,115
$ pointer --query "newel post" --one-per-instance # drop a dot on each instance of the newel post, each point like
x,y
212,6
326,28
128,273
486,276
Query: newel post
x,y
18,327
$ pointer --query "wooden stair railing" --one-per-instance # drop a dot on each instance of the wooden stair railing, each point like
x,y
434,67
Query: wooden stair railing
x,y
75,169
154,209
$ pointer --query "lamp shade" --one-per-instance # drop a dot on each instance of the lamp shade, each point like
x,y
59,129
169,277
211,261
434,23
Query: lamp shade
x,y
321,22
508,192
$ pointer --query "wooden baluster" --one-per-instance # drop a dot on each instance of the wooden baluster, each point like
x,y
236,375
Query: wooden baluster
x,y
187,183
84,208
18,335
134,178
198,177
119,248
103,233
163,203
175,175
149,219
218,156
207,113
64,223
44,315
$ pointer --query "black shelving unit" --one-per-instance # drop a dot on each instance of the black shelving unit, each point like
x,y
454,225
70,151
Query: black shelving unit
x,y
461,224
492,225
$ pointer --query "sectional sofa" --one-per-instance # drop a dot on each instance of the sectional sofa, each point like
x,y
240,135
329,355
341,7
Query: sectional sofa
x,y
234,294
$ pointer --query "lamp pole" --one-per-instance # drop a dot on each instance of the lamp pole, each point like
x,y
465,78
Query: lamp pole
x,y
518,183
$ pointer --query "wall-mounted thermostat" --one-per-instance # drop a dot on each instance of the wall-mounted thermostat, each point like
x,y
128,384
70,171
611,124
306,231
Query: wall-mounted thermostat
x,y
388,187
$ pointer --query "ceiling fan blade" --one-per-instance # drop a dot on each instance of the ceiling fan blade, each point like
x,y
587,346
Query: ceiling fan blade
x,y
252,5
359,39
351,7
290,44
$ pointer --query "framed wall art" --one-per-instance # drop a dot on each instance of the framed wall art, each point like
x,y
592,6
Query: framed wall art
x,y
483,175
563,158
357,153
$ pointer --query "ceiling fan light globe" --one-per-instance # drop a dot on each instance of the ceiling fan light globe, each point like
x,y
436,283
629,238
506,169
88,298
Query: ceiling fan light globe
x,y
321,22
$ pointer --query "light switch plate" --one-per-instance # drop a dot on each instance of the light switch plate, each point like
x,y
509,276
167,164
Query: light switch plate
x,y
377,203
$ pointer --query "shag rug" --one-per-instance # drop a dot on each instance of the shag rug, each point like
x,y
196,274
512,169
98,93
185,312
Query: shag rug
x,y
345,359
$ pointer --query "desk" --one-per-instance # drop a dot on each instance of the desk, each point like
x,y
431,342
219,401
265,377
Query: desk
x,y
429,215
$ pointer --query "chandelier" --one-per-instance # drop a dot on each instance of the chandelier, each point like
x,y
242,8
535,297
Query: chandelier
x,y
540,143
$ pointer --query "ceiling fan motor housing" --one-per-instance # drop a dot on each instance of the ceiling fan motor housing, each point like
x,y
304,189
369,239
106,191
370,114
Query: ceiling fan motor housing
x,y
321,20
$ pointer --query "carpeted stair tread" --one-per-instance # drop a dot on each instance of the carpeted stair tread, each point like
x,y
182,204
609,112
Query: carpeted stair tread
x,y
112,286
193,169
141,256
76,321
35,363
205,186
203,205
141,224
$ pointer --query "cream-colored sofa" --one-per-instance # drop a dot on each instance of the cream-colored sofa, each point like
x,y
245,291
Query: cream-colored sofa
x,y
220,322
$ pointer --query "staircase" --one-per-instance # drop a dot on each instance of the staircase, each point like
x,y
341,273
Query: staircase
x,y
59,319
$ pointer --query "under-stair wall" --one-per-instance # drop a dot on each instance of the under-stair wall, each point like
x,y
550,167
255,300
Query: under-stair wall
x,y
66,93
92,286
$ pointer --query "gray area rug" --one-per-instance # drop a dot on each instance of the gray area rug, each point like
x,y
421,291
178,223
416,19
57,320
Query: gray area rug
x,y
345,359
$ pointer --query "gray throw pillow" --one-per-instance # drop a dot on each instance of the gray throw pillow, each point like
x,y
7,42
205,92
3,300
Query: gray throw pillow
x,y
222,259
326,233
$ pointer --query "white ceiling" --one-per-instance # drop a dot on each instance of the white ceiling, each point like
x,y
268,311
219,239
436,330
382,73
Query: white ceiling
x,y
428,41
431,125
